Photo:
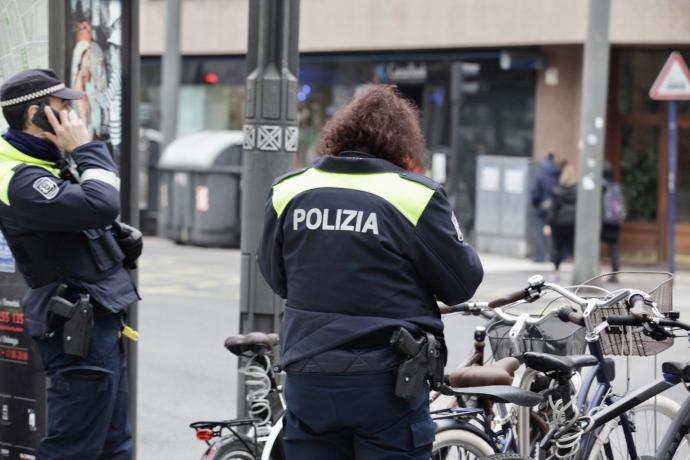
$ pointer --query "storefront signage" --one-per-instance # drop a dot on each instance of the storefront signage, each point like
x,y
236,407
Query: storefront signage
x,y
409,72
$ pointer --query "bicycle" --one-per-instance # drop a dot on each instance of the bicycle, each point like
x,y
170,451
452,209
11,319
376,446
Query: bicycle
x,y
585,430
260,436
511,335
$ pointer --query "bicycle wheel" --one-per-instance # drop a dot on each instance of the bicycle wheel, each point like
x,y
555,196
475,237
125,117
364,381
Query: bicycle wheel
x,y
651,422
459,444
505,457
231,448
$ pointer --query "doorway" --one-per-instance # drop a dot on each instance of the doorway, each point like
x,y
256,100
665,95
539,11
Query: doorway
x,y
683,196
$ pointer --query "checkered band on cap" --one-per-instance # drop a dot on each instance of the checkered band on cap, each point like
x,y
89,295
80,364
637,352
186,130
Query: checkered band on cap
x,y
32,96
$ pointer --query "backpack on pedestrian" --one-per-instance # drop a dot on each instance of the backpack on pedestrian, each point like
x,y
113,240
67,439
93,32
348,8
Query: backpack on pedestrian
x,y
613,208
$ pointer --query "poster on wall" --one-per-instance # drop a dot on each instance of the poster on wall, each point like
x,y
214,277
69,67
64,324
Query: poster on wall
x,y
93,64
23,45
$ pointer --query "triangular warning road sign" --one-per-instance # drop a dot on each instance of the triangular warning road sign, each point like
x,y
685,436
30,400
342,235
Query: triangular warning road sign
x,y
673,82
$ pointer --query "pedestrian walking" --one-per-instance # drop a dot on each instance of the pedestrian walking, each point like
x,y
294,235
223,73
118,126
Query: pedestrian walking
x,y
540,195
561,215
59,197
359,247
613,213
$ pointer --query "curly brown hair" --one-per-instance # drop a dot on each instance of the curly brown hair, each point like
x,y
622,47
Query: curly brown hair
x,y
378,121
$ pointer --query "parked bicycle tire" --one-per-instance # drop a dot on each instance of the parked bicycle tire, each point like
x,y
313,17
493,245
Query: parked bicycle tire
x,y
505,457
642,417
459,444
231,448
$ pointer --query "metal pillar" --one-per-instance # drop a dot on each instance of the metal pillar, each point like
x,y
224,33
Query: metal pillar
x,y
129,173
270,145
453,181
595,81
172,63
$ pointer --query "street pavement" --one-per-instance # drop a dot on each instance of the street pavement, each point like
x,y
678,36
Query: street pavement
x,y
191,304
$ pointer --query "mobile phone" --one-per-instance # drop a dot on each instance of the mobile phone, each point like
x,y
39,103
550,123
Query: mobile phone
x,y
41,120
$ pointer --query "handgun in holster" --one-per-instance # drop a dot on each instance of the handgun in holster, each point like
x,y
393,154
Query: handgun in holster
x,y
78,322
424,360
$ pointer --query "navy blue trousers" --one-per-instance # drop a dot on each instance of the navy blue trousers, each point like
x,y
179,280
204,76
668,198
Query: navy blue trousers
x,y
87,398
346,417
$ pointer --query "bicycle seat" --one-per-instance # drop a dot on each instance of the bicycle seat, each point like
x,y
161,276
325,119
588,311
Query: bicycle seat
x,y
258,343
678,369
544,362
503,394
499,373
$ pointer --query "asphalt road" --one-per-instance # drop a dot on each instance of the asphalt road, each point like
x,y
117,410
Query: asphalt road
x,y
191,304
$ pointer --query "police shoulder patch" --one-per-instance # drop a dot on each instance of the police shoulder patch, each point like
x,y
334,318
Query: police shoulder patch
x,y
280,179
420,180
46,187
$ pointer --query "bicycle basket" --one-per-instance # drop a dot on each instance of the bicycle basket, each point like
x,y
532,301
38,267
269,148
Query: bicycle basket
x,y
629,341
551,336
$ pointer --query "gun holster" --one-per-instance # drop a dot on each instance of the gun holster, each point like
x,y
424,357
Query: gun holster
x,y
425,360
78,322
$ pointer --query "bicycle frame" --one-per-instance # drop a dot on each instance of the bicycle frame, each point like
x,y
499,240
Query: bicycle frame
x,y
680,424
273,437
604,372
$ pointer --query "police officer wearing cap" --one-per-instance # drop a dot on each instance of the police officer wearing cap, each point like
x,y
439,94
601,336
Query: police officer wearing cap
x,y
58,225
360,246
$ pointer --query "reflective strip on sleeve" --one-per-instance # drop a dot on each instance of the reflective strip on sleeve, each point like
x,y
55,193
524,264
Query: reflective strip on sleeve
x,y
408,197
102,175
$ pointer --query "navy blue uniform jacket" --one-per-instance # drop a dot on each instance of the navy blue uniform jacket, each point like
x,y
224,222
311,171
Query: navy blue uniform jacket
x,y
39,203
356,244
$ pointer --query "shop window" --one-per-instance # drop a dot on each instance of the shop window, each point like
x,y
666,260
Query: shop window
x,y
683,177
637,70
639,171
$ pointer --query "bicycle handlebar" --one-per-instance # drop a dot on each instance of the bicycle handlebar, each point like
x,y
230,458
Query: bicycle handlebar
x,y
565,314
632,320
537,286
616,320
510,298
469,308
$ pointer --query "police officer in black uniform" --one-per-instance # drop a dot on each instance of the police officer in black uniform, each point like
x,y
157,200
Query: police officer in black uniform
x,y
58,223
360,246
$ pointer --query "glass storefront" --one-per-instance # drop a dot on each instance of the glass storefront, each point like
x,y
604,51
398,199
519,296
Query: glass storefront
x,y
496,115
211,94
637,70
643,121
641,129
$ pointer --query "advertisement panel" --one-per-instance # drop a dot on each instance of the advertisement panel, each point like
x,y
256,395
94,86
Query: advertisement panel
x,y
93,64
23,45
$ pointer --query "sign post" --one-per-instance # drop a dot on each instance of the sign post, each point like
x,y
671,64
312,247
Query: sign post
x,y
672,84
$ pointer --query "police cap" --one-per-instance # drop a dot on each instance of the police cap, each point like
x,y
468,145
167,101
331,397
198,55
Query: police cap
x,y
34,84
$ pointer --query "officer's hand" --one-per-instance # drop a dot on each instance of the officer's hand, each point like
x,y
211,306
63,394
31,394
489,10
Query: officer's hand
x,y
70,131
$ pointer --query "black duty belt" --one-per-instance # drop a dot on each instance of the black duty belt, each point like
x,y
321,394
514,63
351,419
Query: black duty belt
x,y
100,311
379,338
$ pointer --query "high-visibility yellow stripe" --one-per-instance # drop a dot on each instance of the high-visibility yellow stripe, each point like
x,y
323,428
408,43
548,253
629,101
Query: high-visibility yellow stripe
x,y
5,178
11,157
7,151
408,197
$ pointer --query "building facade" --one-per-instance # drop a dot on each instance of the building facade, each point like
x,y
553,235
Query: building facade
x,y
491,77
